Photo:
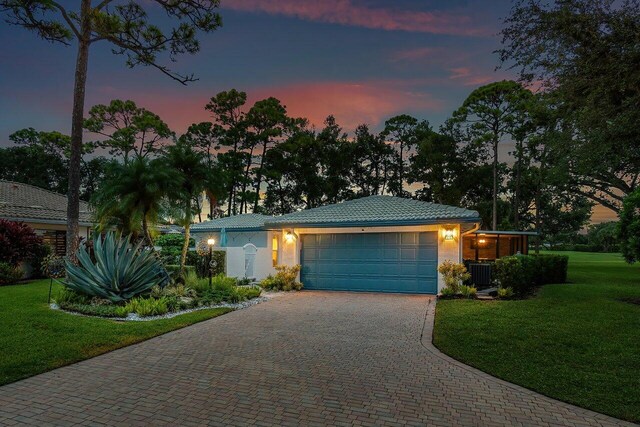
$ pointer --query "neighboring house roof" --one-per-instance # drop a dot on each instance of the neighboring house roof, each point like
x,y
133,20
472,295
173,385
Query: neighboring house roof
x,y
375,211
237,222
169,229
24,202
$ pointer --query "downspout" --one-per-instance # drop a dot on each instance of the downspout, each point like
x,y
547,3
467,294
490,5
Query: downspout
x,y
475,228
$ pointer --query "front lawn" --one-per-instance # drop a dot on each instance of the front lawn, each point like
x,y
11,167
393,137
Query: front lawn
x,y
578,342
35,339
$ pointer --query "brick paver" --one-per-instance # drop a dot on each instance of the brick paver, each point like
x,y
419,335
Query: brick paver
x,y
307,358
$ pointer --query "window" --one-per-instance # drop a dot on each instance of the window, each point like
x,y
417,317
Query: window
x,y
57,239
274,250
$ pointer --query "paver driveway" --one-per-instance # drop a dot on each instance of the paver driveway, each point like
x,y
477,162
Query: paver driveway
x,y
305,358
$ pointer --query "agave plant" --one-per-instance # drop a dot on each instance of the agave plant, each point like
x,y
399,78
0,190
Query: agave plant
x,y
121,270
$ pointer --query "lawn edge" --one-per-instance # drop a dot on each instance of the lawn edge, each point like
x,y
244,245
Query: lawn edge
x,y
226,310
514,384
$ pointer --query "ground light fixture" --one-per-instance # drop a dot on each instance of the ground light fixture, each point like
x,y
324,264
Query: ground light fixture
x,y
210,242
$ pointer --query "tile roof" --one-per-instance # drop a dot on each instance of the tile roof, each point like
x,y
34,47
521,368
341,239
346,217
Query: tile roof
x,y
376,211
24,202
244,222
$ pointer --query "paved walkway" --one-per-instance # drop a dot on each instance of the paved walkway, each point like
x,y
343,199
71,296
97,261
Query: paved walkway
x,y
308,358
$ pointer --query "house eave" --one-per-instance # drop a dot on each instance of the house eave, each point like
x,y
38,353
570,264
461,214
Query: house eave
x,y
45,221
227,229
380,223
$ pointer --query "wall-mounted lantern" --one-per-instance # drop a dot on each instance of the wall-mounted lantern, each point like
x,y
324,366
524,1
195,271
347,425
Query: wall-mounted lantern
x,y
289,236
449,233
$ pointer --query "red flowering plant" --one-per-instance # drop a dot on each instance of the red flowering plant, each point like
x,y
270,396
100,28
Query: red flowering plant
x,y
18,242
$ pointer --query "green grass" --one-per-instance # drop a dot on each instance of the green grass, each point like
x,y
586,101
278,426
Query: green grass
x,y
578,342
35,339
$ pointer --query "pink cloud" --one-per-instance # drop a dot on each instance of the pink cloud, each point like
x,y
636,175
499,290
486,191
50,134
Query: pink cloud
x,y
346,12
470,78
351,103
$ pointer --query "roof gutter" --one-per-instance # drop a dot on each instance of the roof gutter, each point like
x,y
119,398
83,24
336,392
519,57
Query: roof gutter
x,y
45,221
475,228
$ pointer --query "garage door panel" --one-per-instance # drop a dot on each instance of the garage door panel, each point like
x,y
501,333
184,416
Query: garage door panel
x,y
378,262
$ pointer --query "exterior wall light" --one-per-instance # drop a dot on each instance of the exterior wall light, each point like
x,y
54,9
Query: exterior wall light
x,y
449,233
288,237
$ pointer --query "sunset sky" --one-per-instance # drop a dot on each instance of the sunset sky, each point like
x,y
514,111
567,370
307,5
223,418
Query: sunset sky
x,y
362,61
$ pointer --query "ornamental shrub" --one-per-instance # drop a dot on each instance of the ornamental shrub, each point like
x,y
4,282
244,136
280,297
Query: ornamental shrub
x,y
469,292
454,274
201,262
284,280
53,267
447,292
171,247
551,268
523,273
505,293
145,307
9,274
18,242
121,271
629,227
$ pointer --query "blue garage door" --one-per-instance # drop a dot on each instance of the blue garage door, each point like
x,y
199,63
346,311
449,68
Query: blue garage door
x,y
373,262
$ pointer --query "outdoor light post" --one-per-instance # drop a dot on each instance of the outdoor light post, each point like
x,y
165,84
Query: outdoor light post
x,y
210,242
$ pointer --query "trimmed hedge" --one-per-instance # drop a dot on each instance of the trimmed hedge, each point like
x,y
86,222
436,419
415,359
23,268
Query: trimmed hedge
x,y
523,273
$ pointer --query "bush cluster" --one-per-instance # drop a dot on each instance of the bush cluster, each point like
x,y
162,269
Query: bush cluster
x,y
195,292
171,247
201,263
523,273
284,280
18,242
9,274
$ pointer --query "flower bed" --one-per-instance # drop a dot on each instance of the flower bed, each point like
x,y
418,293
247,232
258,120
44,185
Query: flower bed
x,y
168,301
133,317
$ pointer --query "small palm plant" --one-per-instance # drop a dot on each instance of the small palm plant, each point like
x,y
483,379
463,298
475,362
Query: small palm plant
x,y
121,270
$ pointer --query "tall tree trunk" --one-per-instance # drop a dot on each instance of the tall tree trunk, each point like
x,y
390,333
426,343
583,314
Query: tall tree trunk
x,y
146,231
77,117
538,218
187,236
199,208
494,217
243,202
516,210
259,176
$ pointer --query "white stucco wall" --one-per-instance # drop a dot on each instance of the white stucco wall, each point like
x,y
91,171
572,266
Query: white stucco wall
x,y
289,251
235,257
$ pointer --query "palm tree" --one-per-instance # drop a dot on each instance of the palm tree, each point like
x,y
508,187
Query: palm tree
x,y
193,177
130,197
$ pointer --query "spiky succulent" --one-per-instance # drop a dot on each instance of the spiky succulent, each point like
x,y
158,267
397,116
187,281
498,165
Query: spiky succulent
x,y
121,270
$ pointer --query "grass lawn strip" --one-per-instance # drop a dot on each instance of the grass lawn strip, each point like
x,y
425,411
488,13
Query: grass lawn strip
x,y
36,339
577,342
